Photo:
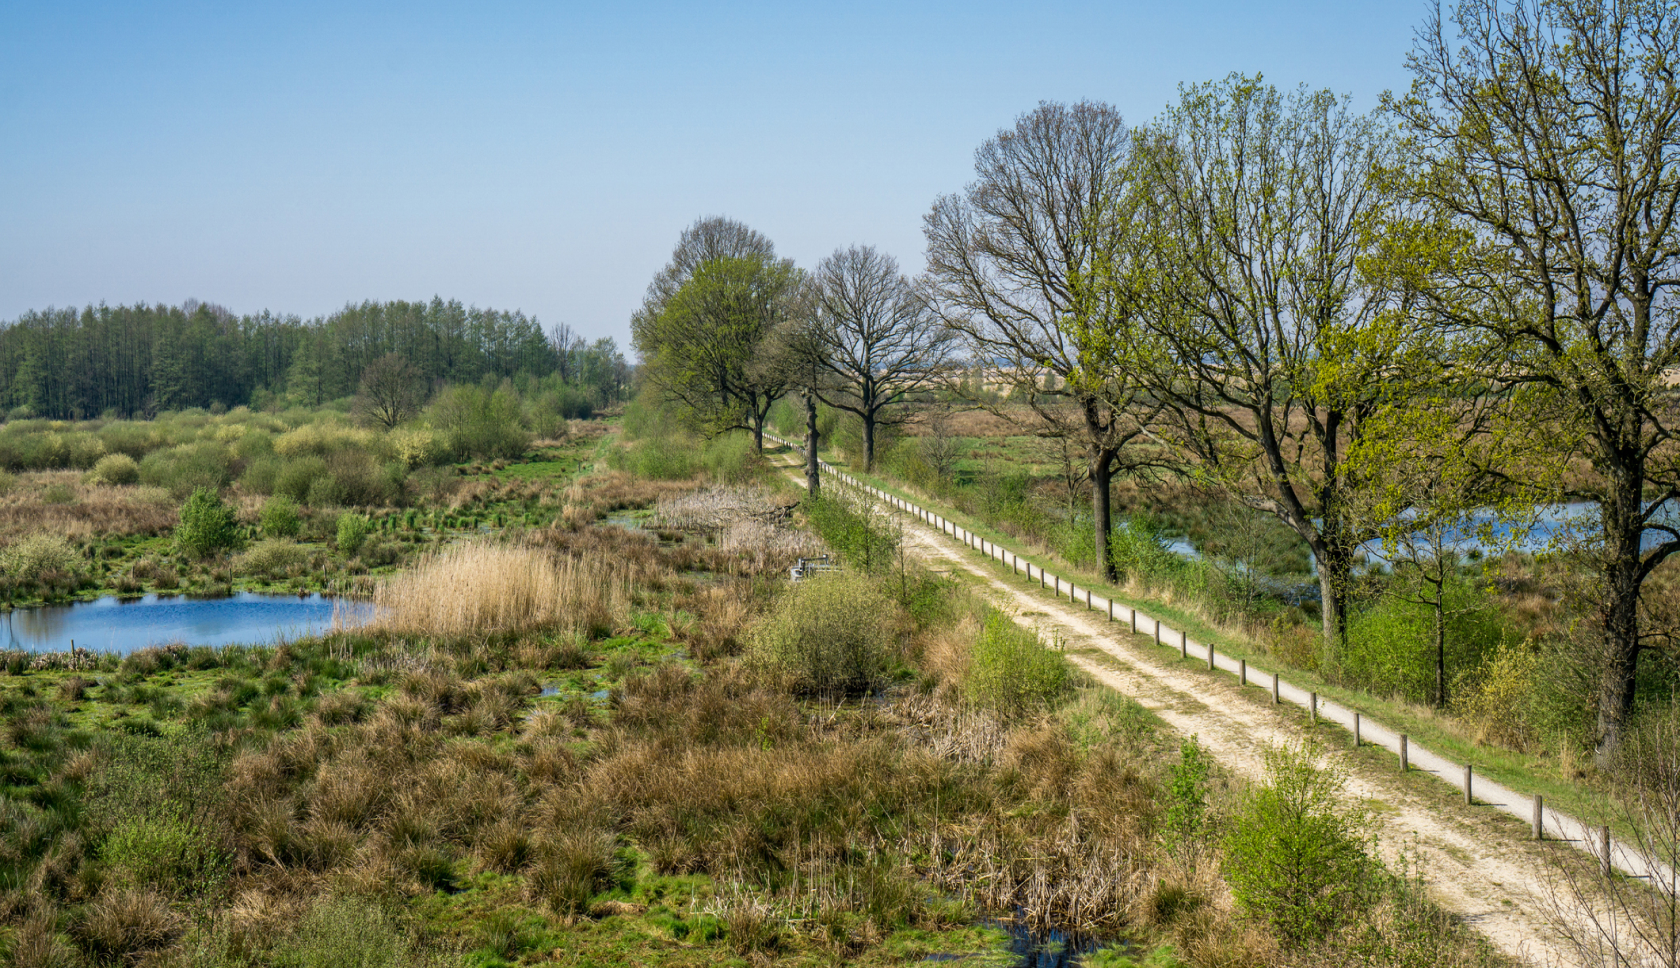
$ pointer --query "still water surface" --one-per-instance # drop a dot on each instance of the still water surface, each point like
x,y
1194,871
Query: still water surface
x,y
110,625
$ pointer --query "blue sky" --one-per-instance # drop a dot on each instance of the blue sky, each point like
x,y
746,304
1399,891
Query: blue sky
x,y
299,156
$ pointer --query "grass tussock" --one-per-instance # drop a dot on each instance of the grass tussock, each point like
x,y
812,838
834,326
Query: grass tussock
x,y
487,587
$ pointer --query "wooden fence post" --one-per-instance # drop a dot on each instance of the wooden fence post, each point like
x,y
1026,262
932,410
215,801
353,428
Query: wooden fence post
x,y
1157,631
1312,707
1134,619
1469,778
1355,730
1604,847
1404,766
1242,671
1111,610
1539,818
1183,646
1274,689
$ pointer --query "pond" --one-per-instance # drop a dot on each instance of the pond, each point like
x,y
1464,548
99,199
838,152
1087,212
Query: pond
x,y
122,626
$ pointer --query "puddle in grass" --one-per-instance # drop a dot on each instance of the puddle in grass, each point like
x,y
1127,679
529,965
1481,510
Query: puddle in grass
x,y
1034,949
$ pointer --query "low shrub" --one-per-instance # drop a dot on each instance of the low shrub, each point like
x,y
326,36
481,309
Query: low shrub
x,y
1294,856
297,476
359,480
189,467
1496,698
830,634
115,469
40,558
270,558
262,475
208,525
658,459
416,446
1012,673
864,537
279,518
1390,647
731,458
352,532
480,423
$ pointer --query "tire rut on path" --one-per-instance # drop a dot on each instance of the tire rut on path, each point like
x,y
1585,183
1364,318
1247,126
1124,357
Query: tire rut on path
x,y
1491,877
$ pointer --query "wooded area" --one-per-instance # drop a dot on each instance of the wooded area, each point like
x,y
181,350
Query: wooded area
x,y
70,364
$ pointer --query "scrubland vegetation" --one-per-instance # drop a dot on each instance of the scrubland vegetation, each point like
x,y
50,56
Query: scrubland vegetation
x,y
302,499
632,741
592,721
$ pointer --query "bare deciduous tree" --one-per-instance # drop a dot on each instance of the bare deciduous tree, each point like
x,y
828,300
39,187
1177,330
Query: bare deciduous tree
x,y
391,391
879,337
1630,921
1022,264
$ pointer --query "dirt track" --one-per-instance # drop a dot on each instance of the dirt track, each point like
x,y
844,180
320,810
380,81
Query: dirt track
x,y
1482,868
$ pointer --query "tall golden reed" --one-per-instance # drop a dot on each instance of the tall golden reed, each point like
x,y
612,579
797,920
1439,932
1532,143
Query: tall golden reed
x,y
487,587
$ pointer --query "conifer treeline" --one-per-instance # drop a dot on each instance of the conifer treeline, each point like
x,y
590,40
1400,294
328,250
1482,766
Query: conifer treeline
x,y
141,359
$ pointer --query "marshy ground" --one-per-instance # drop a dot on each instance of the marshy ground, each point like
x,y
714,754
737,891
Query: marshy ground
x,y
585,743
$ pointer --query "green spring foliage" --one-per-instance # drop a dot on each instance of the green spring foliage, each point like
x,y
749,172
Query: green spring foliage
x,y
352,533
1294,854
832,634
1013,674
279,517
208,525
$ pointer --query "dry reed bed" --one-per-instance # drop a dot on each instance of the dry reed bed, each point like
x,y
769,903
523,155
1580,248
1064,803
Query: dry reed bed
x,y
597,495
485,587
714,508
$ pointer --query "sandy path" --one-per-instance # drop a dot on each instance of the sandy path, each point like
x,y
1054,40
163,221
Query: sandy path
x,y
1489,874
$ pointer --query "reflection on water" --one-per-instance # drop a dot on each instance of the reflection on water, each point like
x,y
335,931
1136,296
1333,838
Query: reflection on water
x,y
110,625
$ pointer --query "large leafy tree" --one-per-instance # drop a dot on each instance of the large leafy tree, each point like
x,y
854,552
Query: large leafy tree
x,y
879,339
1548,134
1017,264
1266,345
702,348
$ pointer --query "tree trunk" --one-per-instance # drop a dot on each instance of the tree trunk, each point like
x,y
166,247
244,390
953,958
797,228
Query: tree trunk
x,y
812,484
758,431
1335,567
1102,524
1440,648
1623,530
868,442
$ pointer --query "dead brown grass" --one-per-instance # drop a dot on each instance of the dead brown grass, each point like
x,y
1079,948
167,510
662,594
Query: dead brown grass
x,y
598,495
95,509
481,587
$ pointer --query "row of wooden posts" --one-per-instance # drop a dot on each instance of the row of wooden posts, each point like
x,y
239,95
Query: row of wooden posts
x,y
1054,584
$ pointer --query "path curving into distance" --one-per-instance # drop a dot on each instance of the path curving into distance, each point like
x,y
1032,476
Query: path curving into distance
x,y
1497,879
